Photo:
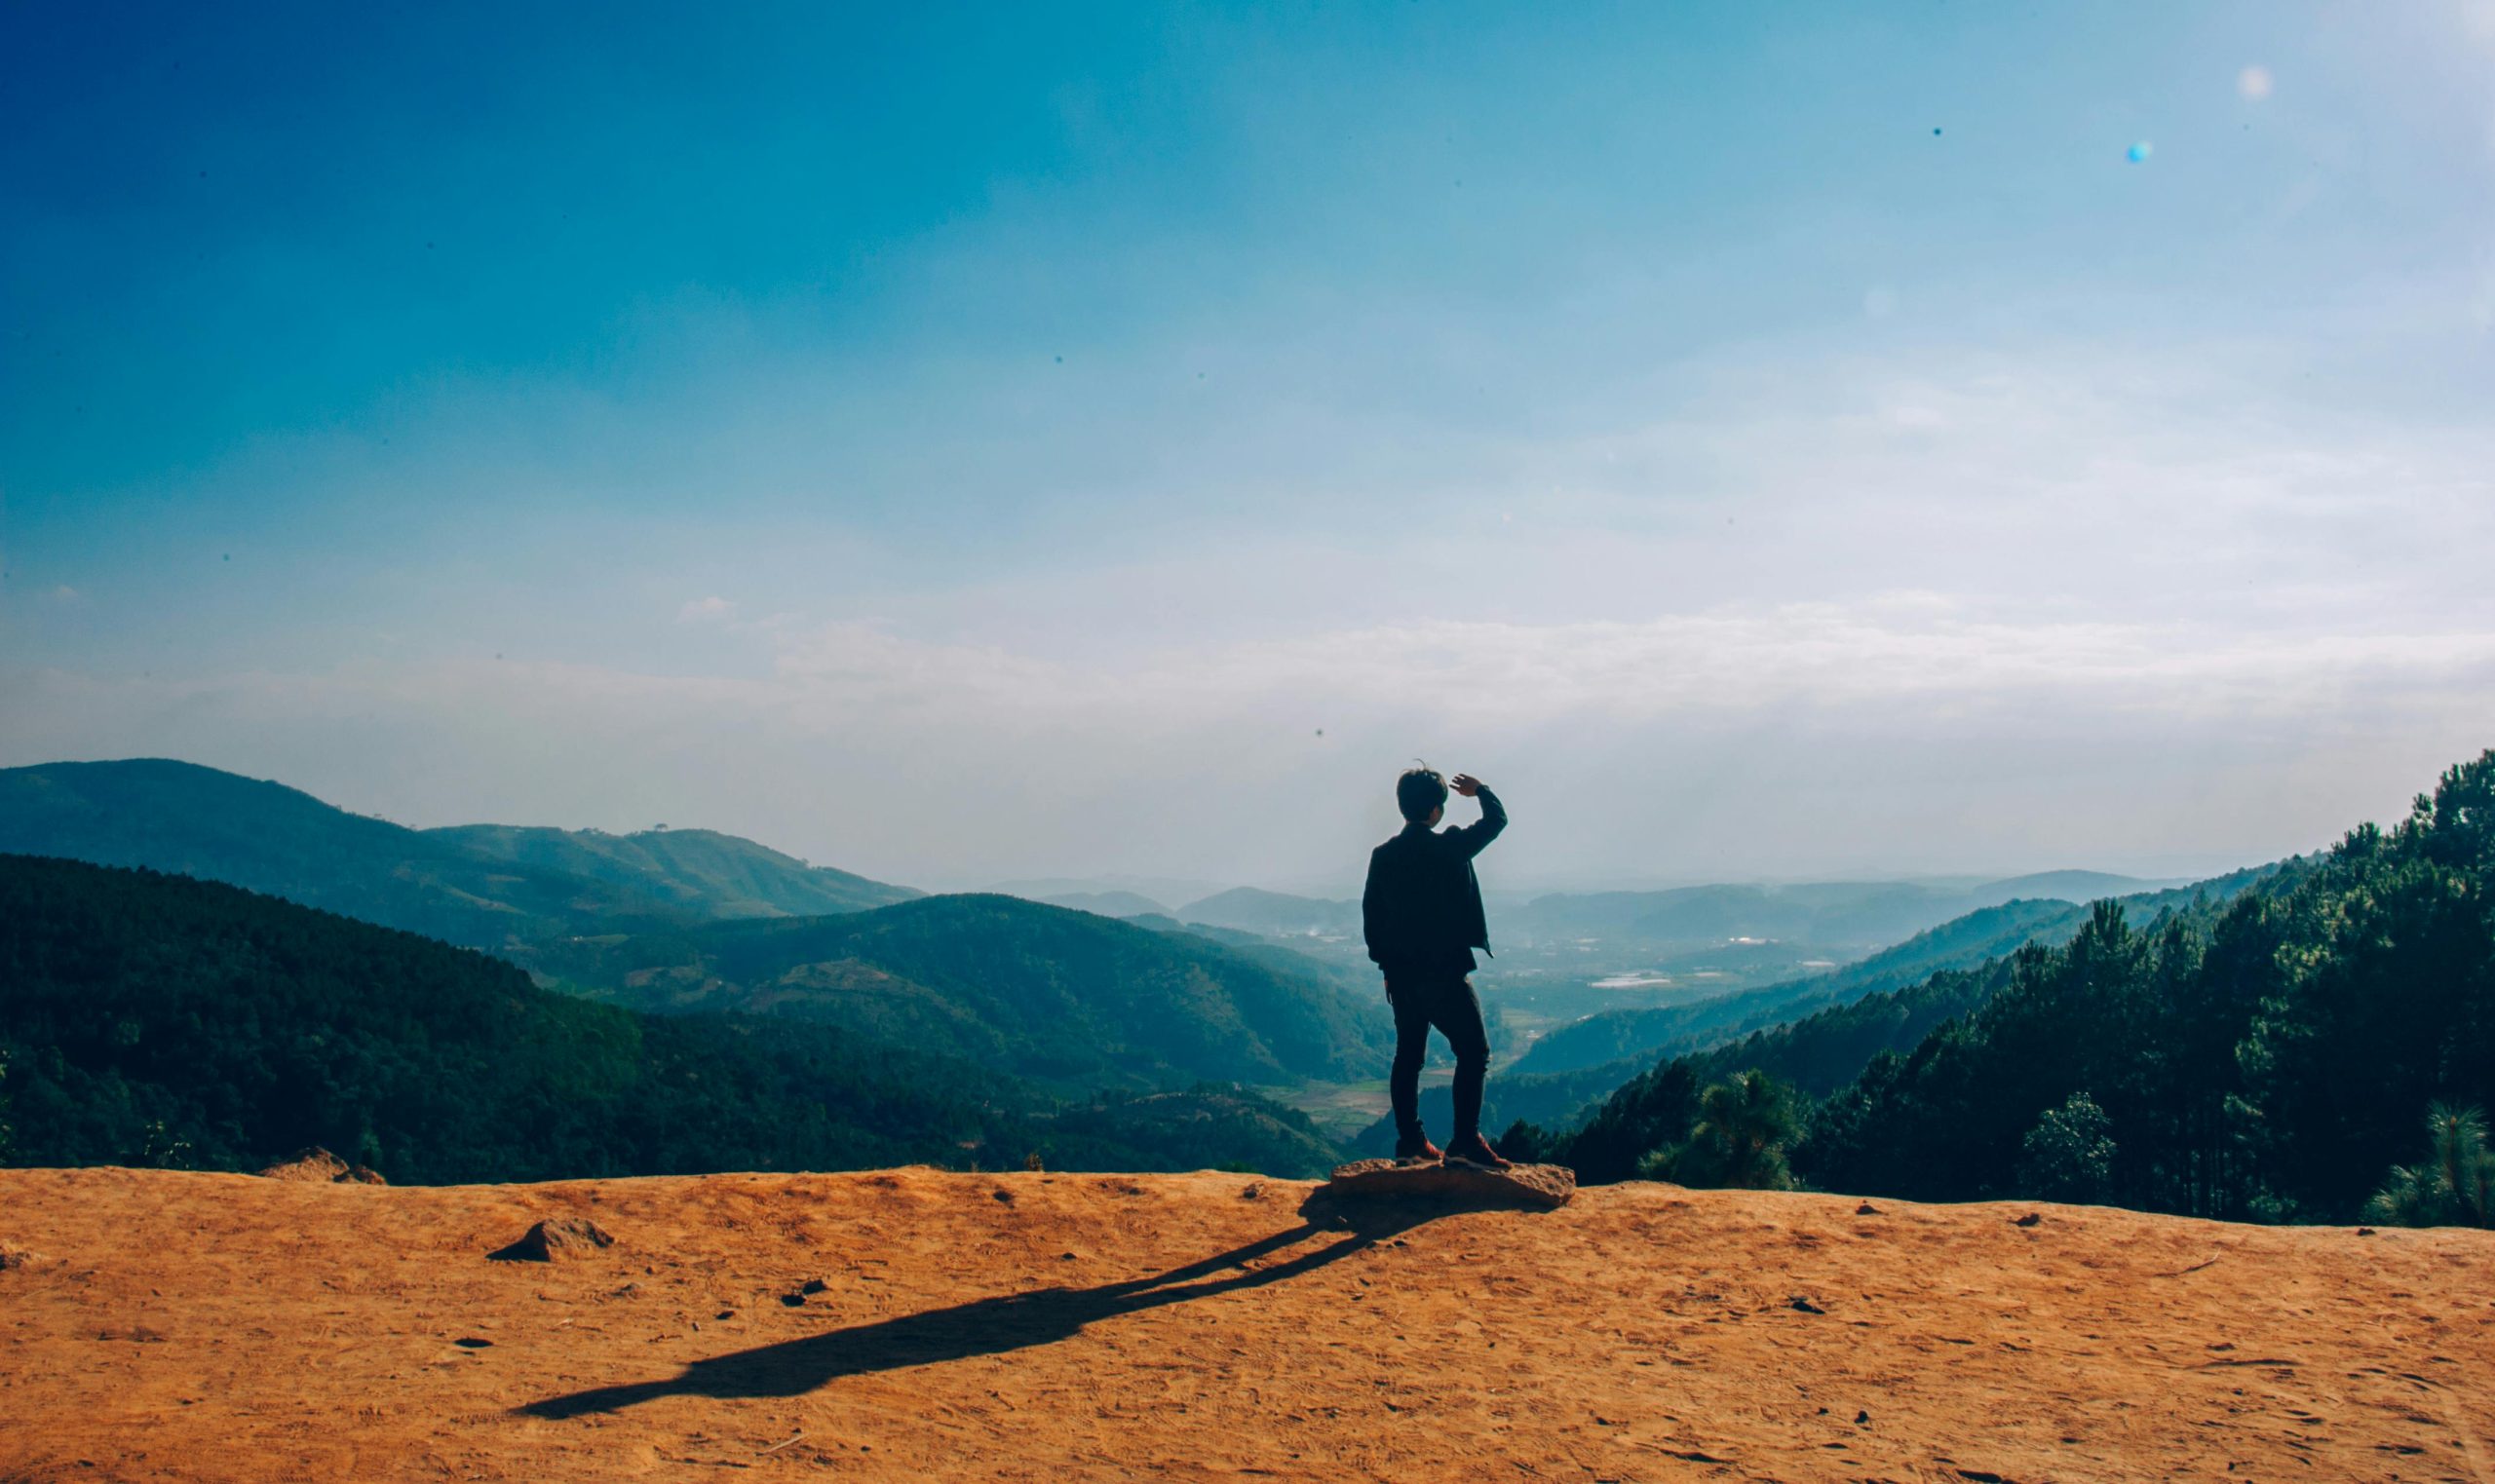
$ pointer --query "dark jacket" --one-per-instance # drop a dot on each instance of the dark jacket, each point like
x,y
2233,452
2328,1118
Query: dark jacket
x,y
1422,908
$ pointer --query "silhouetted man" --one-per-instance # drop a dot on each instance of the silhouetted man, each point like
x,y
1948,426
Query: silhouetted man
x,y
1422,916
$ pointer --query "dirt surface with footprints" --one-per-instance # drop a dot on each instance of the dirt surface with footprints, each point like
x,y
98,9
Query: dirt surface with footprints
x,y
915,1324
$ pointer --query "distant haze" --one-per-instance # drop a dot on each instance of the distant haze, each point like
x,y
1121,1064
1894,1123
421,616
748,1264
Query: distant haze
x,y
1111,444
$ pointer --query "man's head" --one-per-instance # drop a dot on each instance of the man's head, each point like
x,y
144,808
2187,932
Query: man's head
x,y
1421,795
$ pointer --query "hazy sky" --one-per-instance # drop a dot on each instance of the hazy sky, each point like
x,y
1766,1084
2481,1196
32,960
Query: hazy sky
x,y
1037,440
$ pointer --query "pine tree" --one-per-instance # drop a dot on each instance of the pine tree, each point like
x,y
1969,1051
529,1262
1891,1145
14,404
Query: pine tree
x,y
2069,1155
1746,1127
2455,1187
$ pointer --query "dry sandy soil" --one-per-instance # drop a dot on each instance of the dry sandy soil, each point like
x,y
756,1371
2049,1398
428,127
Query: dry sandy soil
x,y
1064,1328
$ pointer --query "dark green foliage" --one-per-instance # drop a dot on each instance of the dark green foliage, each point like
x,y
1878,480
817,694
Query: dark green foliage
x,y
2269,1061
1826,1051
1820,1055
2069,1155
156,1019
2456,1185
1654,1109
1746,1130
1045,992
1528,1143
2266,1057
1208,1127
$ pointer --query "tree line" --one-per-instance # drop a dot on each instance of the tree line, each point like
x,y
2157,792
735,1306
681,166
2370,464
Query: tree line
x,y
2273,1058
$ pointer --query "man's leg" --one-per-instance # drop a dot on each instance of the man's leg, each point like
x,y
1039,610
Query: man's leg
x,y
1411,1005
1459,1018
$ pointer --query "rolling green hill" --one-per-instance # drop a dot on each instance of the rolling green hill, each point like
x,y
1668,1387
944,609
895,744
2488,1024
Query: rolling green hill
x,y
152,1019
481,886
1067,997
699,870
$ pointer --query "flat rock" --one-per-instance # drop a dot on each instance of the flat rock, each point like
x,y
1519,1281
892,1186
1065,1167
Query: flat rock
x,y
1547,1186
550,1240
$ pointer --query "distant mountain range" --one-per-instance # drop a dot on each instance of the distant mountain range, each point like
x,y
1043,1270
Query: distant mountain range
x,y
1840,914
1819,916
1106,903
477,886
1275,914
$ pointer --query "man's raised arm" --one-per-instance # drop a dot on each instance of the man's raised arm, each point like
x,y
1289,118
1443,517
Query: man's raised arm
x,y
1473,838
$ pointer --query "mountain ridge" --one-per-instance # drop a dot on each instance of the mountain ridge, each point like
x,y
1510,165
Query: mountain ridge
x,y
477,886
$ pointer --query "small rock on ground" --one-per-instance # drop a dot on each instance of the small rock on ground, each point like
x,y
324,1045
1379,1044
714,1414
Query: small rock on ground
x,y
549,1240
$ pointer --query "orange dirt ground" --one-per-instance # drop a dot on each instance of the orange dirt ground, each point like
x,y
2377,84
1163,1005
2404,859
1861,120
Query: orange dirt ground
x,y
1073,1327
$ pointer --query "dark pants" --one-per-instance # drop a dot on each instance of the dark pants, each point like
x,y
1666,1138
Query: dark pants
x,y
1444,1000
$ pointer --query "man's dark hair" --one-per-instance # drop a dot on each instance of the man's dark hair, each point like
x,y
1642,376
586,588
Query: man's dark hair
x,y
1418,791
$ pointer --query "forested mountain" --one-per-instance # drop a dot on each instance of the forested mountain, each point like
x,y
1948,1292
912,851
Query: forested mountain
x,y
479,886
153,1019
1067,997
1987,933
2274,1057
1645,1032
702,871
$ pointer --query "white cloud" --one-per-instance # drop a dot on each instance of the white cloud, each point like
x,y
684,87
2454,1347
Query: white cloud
x,y
702,610
1907,731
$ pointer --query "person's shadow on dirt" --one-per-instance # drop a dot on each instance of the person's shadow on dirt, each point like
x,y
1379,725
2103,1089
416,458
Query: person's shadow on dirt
x,y
1014,1322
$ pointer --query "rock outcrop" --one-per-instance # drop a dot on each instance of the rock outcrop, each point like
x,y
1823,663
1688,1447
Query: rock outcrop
x,y
1547,1187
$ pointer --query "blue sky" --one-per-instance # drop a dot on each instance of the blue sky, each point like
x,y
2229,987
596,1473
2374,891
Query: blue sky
x,y
995,441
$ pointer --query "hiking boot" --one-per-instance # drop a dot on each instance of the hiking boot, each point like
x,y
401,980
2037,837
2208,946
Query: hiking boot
x,y
1416,1149
1477,1151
